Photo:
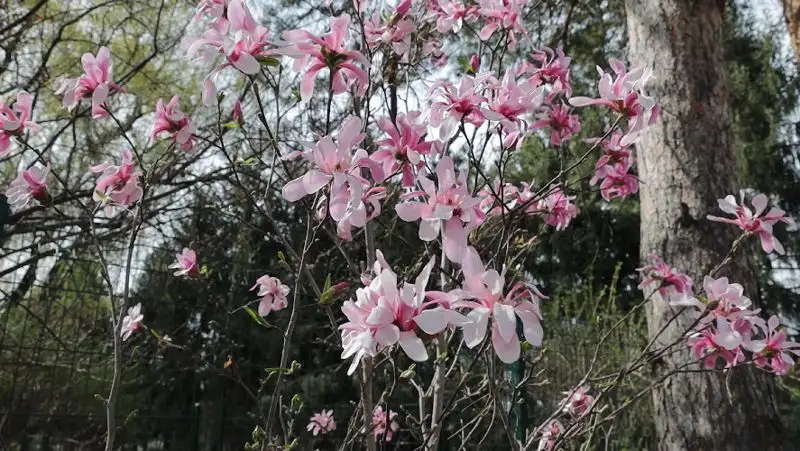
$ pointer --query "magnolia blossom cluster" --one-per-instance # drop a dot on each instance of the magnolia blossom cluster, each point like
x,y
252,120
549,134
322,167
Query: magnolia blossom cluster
x,y
729,330
96,82
393,30
386,313
15,119
232,33
118,187
185,263
554,206
577,403
131,322
30,184
322,423
349,198
313,54
612,172
273,294
384,423
757,221
174,122
624,93
536,89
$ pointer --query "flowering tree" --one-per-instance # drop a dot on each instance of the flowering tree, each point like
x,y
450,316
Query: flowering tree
x,y
464,307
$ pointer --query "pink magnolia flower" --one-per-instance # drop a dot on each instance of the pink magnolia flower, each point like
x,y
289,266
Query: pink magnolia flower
x,y
488,301
494,202
557,208
617,182
186,263
452,14
30,184
214,11
562,125
385,314
550,434
337,167
322,423
15,119
131,322
550,68
578,402
723,342
273,294
451,105
616,158
356,214
502,14
433,50
449,201
509,101
774,351
118,185
97,81
394,31
242,49
383,424
755,221
171,120
328,52
625,95
725,299
405,146
673,286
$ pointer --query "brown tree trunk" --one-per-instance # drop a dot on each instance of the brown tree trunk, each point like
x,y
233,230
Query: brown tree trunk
x,y
791,13
685,163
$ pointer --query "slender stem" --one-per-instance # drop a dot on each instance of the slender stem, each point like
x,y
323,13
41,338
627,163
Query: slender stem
x,y
438,382
367,401
287,336
116,321
366,362
438,393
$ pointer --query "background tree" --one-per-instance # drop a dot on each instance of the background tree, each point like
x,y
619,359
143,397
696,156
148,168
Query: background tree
x,y
685,164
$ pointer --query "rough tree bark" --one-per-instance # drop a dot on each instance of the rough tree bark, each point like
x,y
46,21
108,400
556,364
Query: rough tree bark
x,y
685,163
791,14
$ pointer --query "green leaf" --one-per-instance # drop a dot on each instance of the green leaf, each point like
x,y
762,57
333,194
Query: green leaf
x,y
204,269
130,416
297,404
327,292
231,124
409,373
155,334
256,317
268,61
296,94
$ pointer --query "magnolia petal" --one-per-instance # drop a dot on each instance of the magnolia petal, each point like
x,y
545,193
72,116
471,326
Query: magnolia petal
x,y
409,211
432,321
507,351
294,190
413,346
505,321
475,330
531,327
429,229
